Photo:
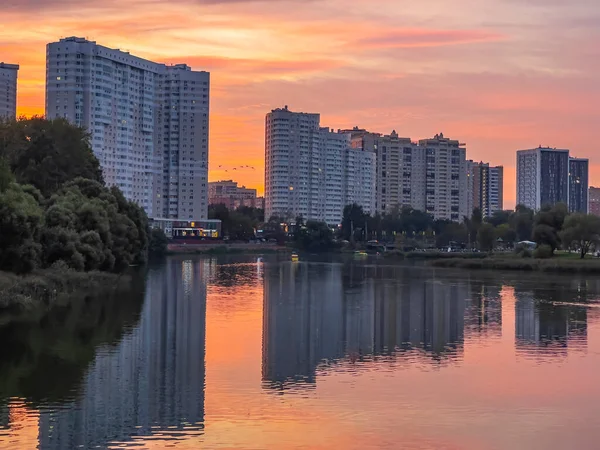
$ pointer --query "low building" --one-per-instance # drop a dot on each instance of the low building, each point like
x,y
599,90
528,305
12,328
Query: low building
x,y
231,195
177,229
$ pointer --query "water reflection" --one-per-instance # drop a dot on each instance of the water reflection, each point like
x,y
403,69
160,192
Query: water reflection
x,y
152,382
317,313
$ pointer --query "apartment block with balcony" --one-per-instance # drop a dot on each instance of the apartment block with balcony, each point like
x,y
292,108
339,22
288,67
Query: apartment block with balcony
x,y
148,122
8,90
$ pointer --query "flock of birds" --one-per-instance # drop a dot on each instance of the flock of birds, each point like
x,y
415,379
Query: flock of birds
x,y
228,168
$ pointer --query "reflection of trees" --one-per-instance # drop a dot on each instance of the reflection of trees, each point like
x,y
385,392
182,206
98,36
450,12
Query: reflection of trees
x,y
44,358
320,314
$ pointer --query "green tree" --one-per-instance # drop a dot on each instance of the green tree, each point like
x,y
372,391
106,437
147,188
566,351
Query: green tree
x,y
158,242
499,218
506,233
20,221
314,237
486,237
47,153
548,223
581,231
353,218
522,222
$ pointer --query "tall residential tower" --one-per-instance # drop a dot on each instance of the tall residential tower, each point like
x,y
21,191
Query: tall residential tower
x,y
542,177
312,171
578,184
8,90
485,188
148,122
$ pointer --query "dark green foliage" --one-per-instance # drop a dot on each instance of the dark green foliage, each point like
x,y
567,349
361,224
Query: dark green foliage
x,y
313,237
237,225
20,222
47,153
521,221
486,237
581,231
157,243
543,252
69,217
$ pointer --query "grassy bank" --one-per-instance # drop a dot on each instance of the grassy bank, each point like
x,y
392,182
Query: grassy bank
x,y
396,254
556,264
43,288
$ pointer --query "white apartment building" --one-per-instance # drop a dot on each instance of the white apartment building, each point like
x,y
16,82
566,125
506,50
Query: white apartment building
x,y
445,169
542,177
8,90
311,171
148,122
430,175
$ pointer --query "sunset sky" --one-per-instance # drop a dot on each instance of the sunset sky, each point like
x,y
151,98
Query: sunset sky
x,y
497,74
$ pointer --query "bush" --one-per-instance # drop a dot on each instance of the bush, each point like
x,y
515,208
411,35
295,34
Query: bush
x,y
544,251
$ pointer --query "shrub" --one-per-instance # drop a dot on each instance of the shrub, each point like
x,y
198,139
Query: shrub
x,y
544,251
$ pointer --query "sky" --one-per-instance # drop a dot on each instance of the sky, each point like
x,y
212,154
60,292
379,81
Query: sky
x,y
499,75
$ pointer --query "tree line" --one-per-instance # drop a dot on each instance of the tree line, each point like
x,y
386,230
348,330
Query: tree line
x,y
55,207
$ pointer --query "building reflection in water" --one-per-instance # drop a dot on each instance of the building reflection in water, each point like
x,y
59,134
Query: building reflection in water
x,y
320,314
551,320
153,380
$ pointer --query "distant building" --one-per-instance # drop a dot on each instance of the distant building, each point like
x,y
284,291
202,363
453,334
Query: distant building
x,y
148,122
578,184
430,175
231,195
485,188
311,171
8,90
442,163
594,201
542,177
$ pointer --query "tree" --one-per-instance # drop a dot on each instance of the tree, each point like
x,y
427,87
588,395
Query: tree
x,y
506,233
486,237
581,231
548,223
353,218
20,221
158,242
499,218
522,222
47,153
314,237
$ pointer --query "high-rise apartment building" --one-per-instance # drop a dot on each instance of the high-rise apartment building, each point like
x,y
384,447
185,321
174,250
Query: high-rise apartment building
x,y
485,188
148,122
443,163
429,175
231,195
594,201
311,171
8,90
578,185
542,177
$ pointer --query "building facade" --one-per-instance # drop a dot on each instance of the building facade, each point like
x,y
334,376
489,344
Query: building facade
x,y
542,177
594,201
311,171
8,90
578,184
485,185
231,195
148,122
442,163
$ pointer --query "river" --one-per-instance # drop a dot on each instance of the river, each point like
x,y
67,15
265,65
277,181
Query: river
x,y
241,352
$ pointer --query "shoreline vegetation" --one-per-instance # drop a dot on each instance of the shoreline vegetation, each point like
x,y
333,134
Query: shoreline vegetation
x,y
46,288
496,262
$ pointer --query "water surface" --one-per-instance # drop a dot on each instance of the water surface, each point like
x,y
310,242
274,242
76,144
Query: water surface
x,y
259,353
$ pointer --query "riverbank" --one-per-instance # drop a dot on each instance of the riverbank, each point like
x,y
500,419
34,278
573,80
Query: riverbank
x,y
43,288
226,249
556,264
